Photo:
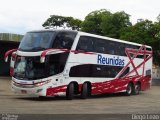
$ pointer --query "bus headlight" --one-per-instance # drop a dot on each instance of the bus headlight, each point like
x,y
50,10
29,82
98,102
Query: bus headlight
x,y
41,83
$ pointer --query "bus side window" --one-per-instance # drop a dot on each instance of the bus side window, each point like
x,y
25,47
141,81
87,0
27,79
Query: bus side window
x,y
85,44
63,40
125,72
100,46
67,42
148,73
57,42
121,49
111,48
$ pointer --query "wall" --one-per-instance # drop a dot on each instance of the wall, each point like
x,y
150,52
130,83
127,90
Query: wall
x,y
5,46
156,73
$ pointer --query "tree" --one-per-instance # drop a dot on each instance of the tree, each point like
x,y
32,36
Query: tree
x,y
144,32
92,22
54,21
60,21
112,25
156,43
158,18
103,22
141,32
75,24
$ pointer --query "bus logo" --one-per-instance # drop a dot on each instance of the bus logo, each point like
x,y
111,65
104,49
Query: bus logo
x,y
115,60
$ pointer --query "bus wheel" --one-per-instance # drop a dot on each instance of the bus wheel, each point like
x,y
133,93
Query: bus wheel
x,y
129,89
137,89
85,91
70,91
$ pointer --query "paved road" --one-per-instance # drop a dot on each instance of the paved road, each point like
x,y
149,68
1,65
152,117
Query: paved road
x,y
146,102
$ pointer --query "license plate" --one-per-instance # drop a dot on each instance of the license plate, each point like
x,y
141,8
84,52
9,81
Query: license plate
x,y
23,91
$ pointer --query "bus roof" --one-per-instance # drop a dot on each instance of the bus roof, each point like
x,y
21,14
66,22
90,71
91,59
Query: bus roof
x,y
91,35
54,30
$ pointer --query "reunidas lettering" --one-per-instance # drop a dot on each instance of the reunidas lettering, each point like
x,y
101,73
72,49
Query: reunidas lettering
x,y
110,61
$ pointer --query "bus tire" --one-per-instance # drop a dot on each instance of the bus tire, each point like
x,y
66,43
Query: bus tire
x,y
129,89
85,91
70,91
137,89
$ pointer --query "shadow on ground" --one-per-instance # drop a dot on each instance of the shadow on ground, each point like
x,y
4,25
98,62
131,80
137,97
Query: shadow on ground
x,y
62,98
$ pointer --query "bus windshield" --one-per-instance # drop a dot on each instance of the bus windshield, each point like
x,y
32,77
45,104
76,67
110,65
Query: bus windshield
x,y
30,68
37,41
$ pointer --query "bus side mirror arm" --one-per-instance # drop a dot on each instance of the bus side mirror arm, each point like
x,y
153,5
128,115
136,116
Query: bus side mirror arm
x,y
42,59
6,59
8,53
45,52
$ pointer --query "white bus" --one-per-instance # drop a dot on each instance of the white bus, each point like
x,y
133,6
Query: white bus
x,y
63,62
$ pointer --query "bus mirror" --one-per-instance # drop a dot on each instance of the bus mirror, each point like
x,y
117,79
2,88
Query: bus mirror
x,y
8,53
6,59
42,59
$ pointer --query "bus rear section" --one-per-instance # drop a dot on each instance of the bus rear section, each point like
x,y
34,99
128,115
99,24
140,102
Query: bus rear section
x,y
77,63
109,66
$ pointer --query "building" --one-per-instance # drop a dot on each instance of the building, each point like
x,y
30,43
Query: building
x,y
156,72
156,75
7,42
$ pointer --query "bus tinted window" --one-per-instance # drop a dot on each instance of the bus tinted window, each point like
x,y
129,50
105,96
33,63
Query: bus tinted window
x,y
56,63
105,71
64,40
125,72
109,47
120,48
148,49
29,68
34,41
85,44
90,70
100,46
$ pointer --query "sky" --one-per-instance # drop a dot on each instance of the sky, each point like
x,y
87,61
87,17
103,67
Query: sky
x,y
20,16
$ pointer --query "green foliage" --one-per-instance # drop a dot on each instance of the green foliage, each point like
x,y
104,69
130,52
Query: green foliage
x,y
156,43
139,33
54,21
144,32
93,21
75,24
158,18
103,22
60,21
112,25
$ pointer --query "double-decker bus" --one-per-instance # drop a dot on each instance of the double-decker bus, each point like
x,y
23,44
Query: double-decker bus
x,y
65,62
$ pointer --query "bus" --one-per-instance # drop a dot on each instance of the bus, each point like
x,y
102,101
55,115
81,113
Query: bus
x,y
70,63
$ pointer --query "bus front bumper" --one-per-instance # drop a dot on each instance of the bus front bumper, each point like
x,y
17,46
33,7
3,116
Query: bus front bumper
x,y
36,91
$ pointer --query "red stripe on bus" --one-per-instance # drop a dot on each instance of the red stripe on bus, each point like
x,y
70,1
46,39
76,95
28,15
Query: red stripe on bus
x,y
109,86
